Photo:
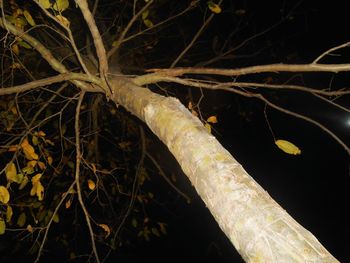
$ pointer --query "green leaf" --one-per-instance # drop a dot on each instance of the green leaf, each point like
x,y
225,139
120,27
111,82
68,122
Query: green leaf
x,y
2,226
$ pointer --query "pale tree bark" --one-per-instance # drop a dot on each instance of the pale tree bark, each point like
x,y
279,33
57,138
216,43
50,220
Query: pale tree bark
x,y
257,226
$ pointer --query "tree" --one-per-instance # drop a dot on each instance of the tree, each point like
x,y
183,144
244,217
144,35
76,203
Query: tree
x,y
256,225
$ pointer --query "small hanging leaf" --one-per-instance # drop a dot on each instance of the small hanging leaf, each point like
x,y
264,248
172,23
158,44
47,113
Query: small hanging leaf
x,y
60,5
9,213
30,229
56,218
288,147
162,228
11,171
2,226
106,229
4,195
44,3
29,18
21,219
49,160
15,49
37,188
212,119
91,185
216,9
148,23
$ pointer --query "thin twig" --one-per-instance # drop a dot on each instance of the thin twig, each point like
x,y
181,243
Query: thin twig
x,y
48,81
162,173
347,44
77,175
50,222
194,39
118,42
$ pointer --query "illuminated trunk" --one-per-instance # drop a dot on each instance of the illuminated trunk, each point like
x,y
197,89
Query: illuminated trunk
x,y
258,227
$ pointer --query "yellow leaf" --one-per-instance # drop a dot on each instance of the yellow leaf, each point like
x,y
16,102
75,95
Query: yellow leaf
x,y
37,188
21,219
106,229
61,5
44,3
41,134
208,126
35,140
2,226
56,218
64,21
4,195
28,150
41,165
212,119
91,185
24,182
68,203
15,49
31,164
49,160
29,228
148,23
214,7
11,172
29,18
9,213
13,148
288,147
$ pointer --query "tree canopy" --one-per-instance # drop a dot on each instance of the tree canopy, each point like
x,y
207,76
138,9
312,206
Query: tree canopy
x,y
75,165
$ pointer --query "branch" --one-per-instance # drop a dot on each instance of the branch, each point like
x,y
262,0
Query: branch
x,y
77,175
44,52
50,80
100,49
312,67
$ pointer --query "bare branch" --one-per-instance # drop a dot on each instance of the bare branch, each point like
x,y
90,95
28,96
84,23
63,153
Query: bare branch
x,y
100,49
77,175
335,68
194,39
50,80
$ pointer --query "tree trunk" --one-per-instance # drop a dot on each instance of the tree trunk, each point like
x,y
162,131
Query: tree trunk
x,y
258,227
